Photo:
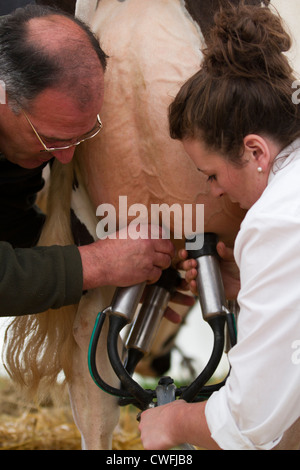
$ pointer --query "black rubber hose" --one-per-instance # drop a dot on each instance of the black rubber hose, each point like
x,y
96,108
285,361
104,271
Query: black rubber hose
x,y
190,393
144,397
231,329
134,356
92,362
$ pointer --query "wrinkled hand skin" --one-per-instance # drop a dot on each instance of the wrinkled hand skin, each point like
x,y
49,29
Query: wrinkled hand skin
x,y
123,261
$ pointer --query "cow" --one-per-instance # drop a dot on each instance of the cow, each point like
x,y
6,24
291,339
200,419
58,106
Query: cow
x,y
153,47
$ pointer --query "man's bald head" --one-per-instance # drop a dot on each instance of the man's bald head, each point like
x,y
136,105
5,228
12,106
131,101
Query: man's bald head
x,y
42,48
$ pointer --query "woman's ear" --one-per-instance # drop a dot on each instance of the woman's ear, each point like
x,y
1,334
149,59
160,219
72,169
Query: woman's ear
x,y
257,149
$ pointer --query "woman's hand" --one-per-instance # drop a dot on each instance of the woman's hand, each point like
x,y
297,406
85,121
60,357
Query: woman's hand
x,y
160,427
229,271
167,426
189,265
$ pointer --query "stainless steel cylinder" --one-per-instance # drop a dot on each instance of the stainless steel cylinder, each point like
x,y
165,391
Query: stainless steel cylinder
x,y
210,287
126,300
145,327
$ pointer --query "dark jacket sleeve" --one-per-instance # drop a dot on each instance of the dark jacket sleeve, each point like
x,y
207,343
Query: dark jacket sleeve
x,y
35,279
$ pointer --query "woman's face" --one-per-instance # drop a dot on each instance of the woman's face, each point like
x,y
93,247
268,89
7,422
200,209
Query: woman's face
x,y
243,185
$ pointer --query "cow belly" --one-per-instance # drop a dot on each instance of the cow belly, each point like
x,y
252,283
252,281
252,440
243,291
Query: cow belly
x,y
153,48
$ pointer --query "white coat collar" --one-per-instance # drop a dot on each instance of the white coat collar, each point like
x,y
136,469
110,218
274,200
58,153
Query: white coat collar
x,y
286,155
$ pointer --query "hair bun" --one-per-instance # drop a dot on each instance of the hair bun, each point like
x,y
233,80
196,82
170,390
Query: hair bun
x,y
246,40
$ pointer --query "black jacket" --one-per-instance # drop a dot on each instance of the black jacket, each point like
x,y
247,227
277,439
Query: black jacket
x,y
32,279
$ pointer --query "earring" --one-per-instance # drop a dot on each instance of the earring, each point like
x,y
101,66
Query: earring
x,y
259,169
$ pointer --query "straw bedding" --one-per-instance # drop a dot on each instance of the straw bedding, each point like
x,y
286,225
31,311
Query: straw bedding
x,y
51,427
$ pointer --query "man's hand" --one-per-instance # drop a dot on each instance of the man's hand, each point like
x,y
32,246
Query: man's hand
x,y
123,261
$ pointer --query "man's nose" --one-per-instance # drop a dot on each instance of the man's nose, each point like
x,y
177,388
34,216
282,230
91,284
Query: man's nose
x,y
64,156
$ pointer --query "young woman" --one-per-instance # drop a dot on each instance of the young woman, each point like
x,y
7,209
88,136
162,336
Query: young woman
x,y
238,123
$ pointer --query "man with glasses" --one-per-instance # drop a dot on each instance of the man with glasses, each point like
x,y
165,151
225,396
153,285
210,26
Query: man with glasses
x,y
52,78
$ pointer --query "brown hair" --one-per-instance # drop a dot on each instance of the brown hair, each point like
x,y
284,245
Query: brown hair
x,y
244,85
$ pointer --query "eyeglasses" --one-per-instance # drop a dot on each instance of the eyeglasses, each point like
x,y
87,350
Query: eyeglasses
x,y
87,136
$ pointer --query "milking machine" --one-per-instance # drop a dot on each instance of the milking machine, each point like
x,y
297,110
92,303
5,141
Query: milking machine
x,y
144,325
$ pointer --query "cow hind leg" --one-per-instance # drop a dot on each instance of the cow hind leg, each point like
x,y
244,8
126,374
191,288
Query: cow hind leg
x,y
95,412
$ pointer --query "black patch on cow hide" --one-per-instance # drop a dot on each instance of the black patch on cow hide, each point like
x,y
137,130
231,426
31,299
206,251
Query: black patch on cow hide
x,y
80,233
65,5
203,11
